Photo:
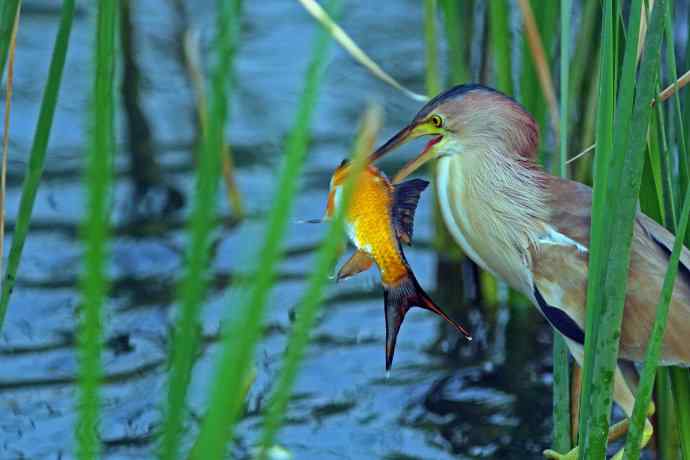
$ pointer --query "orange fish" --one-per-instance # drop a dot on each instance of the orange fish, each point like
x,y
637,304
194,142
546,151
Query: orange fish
x,y
380,217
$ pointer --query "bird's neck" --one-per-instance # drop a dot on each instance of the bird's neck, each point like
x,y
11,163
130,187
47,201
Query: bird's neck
x,y
497,206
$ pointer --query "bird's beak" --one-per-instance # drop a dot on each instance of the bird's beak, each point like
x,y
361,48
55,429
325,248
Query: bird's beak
x,y
397,140
415,163
409,132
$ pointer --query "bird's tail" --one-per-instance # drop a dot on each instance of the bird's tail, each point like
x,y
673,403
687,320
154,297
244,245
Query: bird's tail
x,y
398,299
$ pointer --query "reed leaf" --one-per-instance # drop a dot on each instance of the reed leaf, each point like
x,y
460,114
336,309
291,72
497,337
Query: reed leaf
x,y
8,12
680,383
540,63
433,83
644,392
309,306
6,138
95,232
622,189
457,61
37,156
597,258
242,334
561,377
499,28
201,224
340,36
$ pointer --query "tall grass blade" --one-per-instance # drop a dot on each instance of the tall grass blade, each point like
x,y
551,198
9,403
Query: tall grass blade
x,y
540,62
239,340
95,232
623,189
457,62
309,306
354,50
8,12
201,224
499,14
561,376
433,83
680,382
597,257
37,156
6,139
644,392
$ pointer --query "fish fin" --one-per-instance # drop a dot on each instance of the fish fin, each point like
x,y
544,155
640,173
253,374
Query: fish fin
x,y
398,299
358,263
405,199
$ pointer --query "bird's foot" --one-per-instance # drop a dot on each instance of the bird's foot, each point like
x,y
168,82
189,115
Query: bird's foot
x,y
615,432
646,436
553,455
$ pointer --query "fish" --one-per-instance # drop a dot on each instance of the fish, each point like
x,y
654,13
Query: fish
x,y
379,220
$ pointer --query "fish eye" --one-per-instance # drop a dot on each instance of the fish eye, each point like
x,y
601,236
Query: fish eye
x,y
436,121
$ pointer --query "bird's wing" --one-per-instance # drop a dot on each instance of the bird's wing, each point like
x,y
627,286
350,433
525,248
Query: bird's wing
x,y
560,273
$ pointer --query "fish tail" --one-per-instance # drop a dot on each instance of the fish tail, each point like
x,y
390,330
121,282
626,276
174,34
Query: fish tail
x,y
398,299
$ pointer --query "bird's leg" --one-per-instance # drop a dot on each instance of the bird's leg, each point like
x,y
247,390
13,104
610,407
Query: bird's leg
x,y
646,434
623,396
615,432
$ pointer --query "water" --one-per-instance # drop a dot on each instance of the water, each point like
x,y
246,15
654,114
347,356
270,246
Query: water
x,y
445,398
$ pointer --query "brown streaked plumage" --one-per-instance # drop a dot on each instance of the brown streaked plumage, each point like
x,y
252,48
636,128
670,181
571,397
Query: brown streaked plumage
x,y
532,229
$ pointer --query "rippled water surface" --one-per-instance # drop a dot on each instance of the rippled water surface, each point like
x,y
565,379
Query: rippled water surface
x,y
445,399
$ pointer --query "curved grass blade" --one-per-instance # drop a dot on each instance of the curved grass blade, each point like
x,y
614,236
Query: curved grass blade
x,y
680,383
541,64
95,232
623,190
8,12
6,138
354,50
500,41
458,69
644,391
242,334
561,376
38,153
201,224
309,307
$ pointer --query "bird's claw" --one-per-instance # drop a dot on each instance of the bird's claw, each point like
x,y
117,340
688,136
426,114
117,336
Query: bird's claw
x,y
553,455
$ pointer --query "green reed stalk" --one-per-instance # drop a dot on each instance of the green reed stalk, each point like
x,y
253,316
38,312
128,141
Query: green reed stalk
x,y
241,336
644,391
457,62
561,376
680,379
95,232
433,83
546,17
309,306
680,383
666,432
443,242
37,156
499,14
623,178
597,259
201,224
8,11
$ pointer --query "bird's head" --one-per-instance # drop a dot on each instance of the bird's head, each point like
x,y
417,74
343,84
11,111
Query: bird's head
x,y
465,120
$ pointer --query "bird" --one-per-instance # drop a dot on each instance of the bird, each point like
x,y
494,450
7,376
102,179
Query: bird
x,y
532,229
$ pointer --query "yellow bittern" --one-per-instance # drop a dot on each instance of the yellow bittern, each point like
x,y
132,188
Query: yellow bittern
x,y
532,229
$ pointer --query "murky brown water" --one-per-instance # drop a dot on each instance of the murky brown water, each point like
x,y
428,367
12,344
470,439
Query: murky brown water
x,y
446,399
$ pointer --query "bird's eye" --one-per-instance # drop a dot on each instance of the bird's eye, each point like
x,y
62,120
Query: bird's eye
x,y
436,121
